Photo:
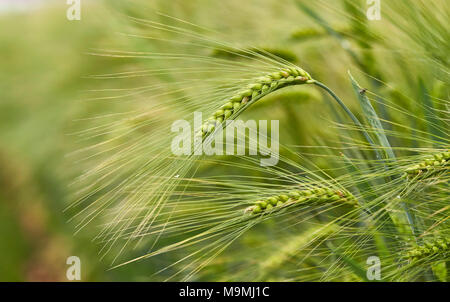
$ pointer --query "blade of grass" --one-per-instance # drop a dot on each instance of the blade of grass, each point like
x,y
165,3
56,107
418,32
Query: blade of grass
x,y
352,116
374,121
372,118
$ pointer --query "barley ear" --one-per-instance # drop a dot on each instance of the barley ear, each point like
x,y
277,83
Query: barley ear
x,y
428,167
256,90
316,196
434,248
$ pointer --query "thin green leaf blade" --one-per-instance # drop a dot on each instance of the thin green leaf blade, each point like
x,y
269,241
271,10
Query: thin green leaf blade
x,y
372,118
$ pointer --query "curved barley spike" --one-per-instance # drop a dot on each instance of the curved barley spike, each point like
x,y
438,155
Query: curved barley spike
x,y
260,87
317,196
436,247
292,247
429,166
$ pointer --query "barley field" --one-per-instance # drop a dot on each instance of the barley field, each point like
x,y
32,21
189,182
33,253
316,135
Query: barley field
x,y
115,148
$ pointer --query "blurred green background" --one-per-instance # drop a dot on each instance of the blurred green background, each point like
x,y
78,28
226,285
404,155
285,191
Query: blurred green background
x,y
42,70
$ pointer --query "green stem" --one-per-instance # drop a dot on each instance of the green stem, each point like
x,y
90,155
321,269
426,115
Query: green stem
x,y
349,113
371,142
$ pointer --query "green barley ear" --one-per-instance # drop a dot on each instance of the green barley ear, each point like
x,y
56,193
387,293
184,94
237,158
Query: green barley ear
x,y
259,88
296,243
428,167
436,248
316,196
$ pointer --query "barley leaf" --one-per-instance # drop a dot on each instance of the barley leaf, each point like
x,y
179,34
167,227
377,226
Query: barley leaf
x,y
372,118
375,123
433,122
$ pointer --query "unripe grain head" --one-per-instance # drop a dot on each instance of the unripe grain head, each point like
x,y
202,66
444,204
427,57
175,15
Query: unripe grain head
x,y
439,162
259,88
317,196
434,248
